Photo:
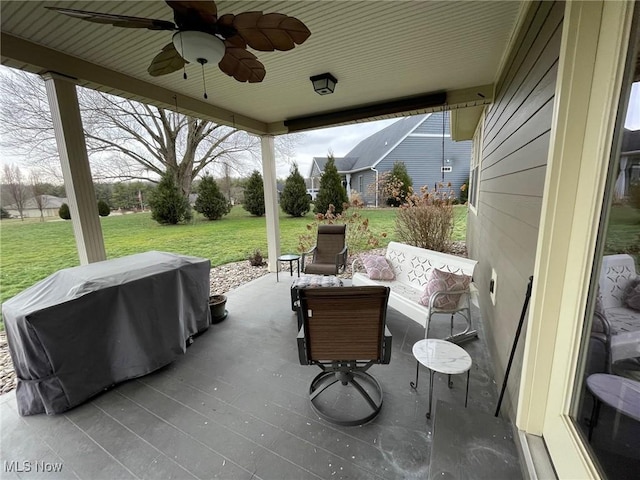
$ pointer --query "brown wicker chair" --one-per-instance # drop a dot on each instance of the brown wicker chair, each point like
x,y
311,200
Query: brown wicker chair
x,y
329,256
344,333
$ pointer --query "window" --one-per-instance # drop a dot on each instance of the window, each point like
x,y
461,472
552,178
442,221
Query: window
x,y
360,183
476,159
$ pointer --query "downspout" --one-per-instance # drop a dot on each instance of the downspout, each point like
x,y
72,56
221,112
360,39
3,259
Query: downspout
x,y
374,170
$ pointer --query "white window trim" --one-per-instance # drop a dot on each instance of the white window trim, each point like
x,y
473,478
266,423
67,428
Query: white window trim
x,y
476,162
587,96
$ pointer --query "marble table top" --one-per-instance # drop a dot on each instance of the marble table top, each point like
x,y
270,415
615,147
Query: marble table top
x,y
621,393
442,356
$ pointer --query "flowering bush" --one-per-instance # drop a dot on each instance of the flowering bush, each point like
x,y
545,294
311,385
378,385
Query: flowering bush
x,y
359,236
425,220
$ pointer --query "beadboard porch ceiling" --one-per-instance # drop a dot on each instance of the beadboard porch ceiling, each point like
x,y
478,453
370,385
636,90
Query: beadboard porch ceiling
x,y
380,52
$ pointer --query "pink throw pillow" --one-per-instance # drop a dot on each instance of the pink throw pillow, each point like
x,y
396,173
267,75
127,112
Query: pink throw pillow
x,y
378,267
440,281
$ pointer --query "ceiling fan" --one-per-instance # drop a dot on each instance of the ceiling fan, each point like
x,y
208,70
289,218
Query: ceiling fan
x,y
203,37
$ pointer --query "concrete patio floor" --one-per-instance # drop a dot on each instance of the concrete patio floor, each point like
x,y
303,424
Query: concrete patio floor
x,y
235,406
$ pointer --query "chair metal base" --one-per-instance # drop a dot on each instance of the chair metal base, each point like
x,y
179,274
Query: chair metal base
x,y
459,338
355,379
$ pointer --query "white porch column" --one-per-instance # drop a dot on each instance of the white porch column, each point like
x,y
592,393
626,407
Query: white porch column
x,y
348,175
271,200
67,125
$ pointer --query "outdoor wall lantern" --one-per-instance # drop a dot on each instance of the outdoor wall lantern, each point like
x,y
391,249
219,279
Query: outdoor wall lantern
x,y
324,84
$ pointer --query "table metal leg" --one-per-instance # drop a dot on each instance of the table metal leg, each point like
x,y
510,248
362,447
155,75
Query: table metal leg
x,y
431,373
291,268
277,270
298,264
415,385
466,396
595,413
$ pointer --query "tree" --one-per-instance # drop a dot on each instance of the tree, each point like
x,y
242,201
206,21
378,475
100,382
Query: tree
x,y
398,185
17,188
64,212
211,202
294,199
130,195
254,195
38,190
168,205
128,139
4,213
103,208
331,191
104,192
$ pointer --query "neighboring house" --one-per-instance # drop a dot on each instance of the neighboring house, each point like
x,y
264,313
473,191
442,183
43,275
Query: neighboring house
x,y
416,141
629,163
50,207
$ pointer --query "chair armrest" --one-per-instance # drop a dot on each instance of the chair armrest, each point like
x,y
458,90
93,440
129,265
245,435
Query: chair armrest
x,y
304,255
386,346
341,258
302,350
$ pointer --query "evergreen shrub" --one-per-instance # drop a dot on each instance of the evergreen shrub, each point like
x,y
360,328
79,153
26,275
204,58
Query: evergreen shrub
x,y
254,195
294,199
64,212
211,201
168,205
103,208
331,191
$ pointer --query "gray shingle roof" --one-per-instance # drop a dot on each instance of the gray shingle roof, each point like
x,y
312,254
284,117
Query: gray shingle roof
x,y
343,164
373,148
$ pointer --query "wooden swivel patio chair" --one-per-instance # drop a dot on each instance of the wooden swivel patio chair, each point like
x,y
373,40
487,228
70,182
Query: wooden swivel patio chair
x,y
344,333
329,255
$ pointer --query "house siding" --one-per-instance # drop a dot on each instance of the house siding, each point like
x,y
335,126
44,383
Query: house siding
x,y
423,159
422,155
367,194
515,147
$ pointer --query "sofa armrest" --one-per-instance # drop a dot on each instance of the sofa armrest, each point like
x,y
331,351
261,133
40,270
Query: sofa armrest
x,y
434,296
357,265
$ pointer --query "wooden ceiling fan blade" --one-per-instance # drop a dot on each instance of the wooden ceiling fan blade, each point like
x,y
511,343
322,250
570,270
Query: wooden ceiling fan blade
x,y
242,65
123,21
271,31
167,61
228,31
194,15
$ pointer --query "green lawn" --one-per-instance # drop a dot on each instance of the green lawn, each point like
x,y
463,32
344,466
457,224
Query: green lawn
x,y
623,234
32,250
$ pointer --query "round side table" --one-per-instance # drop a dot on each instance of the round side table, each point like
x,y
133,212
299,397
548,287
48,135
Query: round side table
x,y
443,357
290,257
622,394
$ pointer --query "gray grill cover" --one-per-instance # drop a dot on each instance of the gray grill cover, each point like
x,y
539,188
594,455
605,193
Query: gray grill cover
x,y
83,329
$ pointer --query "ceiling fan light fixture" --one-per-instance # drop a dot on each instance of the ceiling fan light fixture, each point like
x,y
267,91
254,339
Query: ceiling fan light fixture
x,y
324,84
199,47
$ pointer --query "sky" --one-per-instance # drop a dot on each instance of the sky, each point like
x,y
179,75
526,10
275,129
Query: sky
x,y
338,140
